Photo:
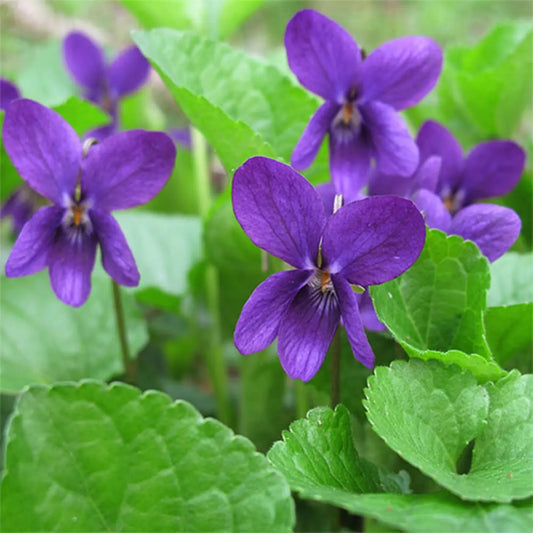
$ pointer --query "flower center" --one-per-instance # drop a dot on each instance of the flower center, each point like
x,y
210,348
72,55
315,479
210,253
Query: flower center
x,y
321,281
453,201
347,121
76,221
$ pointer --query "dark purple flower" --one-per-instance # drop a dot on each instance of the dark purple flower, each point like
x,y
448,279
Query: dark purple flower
x,y
124,171
8,92
362,97
446,185
104,84
365,243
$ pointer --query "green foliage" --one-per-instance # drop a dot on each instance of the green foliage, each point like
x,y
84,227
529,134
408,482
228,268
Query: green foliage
x,y
435,309
420,513
215,18
86,457
82,115
318,458
263,413
44,77
429,413
44,340
237,259
484,90
509,318
243,106
162,266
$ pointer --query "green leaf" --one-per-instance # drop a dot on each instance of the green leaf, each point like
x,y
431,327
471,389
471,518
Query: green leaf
x,y
165,248
86,457
243,106
429,413
435,309
511,280
45,78
420,513
82,115
44,340
484,90
209,17
509,330
510,314
318,458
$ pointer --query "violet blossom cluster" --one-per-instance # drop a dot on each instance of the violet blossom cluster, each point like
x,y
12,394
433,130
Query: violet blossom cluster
x,y
372,240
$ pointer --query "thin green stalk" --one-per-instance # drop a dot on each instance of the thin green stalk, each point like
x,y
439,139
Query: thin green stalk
x,y
215,358
302,399
130,367
335,356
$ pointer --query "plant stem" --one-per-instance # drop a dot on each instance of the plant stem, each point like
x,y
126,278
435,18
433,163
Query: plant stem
x,y
335,368
215,358
130,367
302,404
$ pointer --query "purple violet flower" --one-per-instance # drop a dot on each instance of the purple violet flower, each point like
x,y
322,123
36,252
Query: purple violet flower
x,y
366,242
124,171
22,202
101,83
362,97
446,185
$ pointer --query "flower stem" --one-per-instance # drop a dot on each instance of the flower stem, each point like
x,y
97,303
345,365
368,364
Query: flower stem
x,y
130,367
302,403
335,369
215,358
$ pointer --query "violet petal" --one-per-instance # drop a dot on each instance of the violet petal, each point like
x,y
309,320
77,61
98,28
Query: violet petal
x,y
8,92
433,139
491,169
493,228
433,210
395,150
306,331
117,259
369,318
71,261
380,184
349,162
279,210
352,321
322,54
30,252
373,240
127,169
84,60
401,72
258,324
128,72
44,148
305,151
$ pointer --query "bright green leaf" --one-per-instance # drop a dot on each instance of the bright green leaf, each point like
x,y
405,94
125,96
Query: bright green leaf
x,y
437,306
86,457
509,318
45,340
440,512
165,248
317,456
243,106
215,18
511,280
428,413
44,77
82,115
